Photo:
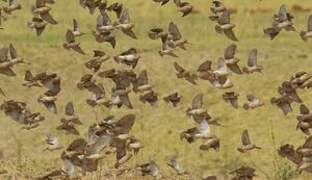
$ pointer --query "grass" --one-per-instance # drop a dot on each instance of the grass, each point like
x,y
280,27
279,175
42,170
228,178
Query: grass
x,y
159,127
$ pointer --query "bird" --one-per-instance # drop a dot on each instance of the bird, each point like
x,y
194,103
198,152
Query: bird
x,y
6,62
252,65
173,98
116,7
156,33
197,106
38,24
71,43
246,143
175,37
125,25
283,20
176,166
43,11
284,103
166,48
184,7
162,2
70,114
49,102
304,119
224,25
104,23
141,83
230,60
149,168
12,6
305,35
53,143
31,80
252,102
217,9
151,97
288,89
129,57
183,73
232,98
99,57
204,70
244,172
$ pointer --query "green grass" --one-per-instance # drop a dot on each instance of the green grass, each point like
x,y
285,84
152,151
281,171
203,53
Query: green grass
x,y
159,127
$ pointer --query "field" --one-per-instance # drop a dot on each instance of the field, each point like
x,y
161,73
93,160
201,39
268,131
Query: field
x,y
159,126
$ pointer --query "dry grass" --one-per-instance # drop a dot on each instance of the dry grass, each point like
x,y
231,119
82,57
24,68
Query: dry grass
x,y
159,127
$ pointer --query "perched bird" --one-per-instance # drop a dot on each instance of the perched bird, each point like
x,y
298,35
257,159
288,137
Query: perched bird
x,y
183,73
230,60
184,7
129,57
305,35
173,98
125,25
283,20
224,25
12,6
252,102
246,143
76,29
252,65
232,98
71,43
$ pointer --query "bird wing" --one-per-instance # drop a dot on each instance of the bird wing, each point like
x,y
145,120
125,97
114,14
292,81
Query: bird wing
x,y
252,58
230,51
310,23
69,109
70,37
245,138
197,101
174,31
205,66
